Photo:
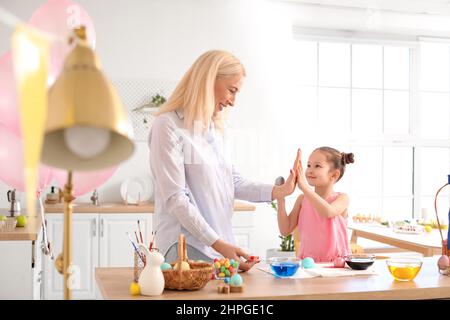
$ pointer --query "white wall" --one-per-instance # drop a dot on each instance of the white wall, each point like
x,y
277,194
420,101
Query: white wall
x,y
159,39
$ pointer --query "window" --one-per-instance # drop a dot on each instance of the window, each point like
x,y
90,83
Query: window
x,y
370,99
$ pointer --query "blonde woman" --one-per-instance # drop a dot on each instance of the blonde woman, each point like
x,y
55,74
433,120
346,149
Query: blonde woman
x,y
195,183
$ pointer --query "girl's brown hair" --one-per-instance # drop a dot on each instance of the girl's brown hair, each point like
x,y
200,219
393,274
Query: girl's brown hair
x,y
337,158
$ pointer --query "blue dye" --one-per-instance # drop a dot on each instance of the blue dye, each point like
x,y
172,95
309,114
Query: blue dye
x,y
284,269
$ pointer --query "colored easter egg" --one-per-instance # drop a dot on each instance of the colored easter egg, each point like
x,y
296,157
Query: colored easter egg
x,y
226,280
184,266
227,264
232,261
308,263
217,264
236,264
222,269
134,289
231,269
443,262
222,275
166,266
339,262
236,280
227,273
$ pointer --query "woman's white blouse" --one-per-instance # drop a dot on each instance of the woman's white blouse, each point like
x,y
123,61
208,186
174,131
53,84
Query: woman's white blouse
x,y
195,185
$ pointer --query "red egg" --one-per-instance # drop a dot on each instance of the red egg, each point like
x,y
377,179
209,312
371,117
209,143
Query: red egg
x,y
339,262
443,262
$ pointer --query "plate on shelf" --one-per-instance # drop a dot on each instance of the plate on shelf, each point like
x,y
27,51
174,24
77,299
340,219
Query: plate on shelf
x,y
137,189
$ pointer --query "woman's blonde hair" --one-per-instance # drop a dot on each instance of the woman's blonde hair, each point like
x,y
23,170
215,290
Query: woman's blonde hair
x,y
194,94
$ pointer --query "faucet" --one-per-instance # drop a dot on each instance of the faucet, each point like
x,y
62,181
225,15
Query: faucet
x,y
94,198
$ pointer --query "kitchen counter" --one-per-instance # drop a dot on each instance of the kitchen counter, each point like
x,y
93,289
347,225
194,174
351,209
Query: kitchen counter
x,y
29,232
113,283
119,207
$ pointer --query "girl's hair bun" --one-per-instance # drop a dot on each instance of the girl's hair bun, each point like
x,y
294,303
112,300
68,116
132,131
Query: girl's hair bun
x,y
347,158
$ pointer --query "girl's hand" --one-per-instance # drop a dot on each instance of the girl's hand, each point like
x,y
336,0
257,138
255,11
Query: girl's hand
x,y
232,252
301,180
288,187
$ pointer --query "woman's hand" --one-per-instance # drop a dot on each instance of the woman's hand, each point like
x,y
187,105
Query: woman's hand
x,y
301,180
232,252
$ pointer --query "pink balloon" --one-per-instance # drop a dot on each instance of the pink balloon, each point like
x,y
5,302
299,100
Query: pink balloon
x,y
59,17
84,182
11,162
9,110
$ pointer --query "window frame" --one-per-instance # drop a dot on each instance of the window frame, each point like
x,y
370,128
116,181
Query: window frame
x,y
413,139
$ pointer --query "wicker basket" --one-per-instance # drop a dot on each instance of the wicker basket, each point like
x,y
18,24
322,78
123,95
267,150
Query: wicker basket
x,y
195,278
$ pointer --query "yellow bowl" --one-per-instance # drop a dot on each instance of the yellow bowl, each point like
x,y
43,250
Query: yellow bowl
x,y
404,269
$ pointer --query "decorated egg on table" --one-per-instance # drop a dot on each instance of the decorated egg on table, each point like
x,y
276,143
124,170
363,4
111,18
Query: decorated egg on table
x,y
443,262
166,266
308,263
339,262
236,280
184,266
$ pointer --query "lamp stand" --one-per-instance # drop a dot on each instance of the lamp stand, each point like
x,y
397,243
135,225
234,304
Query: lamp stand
x,y
64,261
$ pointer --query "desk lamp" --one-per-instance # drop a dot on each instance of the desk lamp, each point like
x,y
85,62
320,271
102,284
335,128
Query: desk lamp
x,y
87,129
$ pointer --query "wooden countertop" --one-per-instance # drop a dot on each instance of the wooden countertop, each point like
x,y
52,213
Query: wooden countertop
x,y
29,232
113,283
147,207
426,243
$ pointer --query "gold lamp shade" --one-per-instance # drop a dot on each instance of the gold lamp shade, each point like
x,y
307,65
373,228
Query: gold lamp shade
x,y
85,113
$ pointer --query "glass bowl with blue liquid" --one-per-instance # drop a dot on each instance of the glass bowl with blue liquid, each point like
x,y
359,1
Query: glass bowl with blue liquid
x,y
284,266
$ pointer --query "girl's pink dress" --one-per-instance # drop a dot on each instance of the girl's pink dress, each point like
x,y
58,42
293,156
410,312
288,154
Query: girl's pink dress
x,y
322,239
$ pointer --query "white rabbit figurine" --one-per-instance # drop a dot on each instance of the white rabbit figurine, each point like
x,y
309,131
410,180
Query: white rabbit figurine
x,y
151,280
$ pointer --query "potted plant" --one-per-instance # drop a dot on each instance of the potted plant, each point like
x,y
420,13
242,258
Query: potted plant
x,y
148,109
158,100
287,244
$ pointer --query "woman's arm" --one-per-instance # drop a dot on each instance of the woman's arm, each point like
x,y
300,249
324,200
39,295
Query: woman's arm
x,y
245,189
258,192
286,223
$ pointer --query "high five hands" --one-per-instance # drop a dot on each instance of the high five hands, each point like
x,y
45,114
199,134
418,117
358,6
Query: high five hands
x,y
289,186
296,177
300,174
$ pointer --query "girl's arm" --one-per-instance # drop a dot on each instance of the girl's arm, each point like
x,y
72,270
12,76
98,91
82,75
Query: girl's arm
x,y
328,210
286,223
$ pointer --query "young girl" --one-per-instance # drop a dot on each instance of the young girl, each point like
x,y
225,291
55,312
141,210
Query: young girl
x,y
320,214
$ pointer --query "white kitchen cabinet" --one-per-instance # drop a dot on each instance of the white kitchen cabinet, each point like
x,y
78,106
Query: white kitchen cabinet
x,y
84,254
21,269
243,230
98,240
116,249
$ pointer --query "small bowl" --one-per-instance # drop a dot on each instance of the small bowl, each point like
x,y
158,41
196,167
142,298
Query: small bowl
x,y
404,269
284,266
359,261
